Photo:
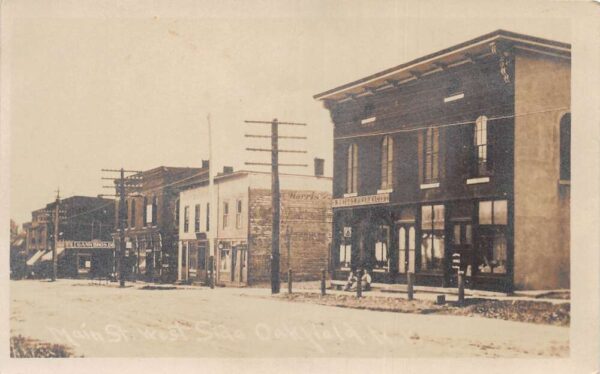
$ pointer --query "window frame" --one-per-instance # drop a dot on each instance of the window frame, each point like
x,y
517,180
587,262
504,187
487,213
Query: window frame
x,y
352,168
197,212
387,163
186,218
481,146
431,233
225,214
238,214
565,147
431,155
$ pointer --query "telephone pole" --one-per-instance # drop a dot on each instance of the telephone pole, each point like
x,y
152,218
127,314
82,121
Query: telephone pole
x,y
133,183
275,192
55,242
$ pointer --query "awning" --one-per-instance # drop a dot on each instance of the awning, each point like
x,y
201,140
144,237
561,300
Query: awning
x,y
48,255
35,258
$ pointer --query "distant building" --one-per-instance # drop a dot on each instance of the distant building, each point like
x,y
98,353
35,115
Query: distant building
x,y
84,247
464,152
151,233
244,224
18,251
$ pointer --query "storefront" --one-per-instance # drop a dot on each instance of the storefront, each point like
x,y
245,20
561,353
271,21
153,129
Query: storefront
x,y
390,241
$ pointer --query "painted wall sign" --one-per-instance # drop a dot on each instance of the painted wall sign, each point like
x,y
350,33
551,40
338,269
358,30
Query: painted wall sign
x,y
361,200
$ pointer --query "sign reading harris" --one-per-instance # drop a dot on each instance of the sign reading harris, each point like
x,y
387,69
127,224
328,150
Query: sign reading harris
x,y
361,200
85,244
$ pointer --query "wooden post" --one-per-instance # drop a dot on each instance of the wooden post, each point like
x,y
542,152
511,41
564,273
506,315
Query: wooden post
x,y
55,243
275,200
359,283
461,288
409,285
211,262
290,281
122,223
323,278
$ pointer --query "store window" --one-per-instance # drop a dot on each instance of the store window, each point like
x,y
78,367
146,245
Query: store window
x,y
346,247
387,162
84,263
381,248
491,254
225,253
352,169
432,237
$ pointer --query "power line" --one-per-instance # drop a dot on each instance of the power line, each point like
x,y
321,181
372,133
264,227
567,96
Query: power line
x,y
378,133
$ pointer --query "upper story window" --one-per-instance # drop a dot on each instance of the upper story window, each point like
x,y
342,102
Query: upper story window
x,y
565,147
197,218
352,169
177,203
480,143
154,210
238,215
133,213
225,214
186,219
207,217
431,171
387,161
145,212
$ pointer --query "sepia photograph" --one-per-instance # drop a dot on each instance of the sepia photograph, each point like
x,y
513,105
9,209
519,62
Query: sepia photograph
x,y
300,186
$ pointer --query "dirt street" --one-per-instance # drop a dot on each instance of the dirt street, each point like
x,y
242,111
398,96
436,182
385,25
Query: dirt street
x,y
104,321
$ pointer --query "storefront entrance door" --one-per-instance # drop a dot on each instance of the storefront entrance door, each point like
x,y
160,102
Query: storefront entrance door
x,y
406,247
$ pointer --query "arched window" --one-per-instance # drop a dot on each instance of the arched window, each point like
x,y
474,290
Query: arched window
x,y
565,147
133,218
154,210
387,161
145,212
480,145
352,169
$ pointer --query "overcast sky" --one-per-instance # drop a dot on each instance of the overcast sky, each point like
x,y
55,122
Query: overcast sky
x,y
108,84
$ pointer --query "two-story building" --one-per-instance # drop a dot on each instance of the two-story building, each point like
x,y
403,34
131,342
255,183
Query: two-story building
x,y
244,225
84,247
463,151
151,234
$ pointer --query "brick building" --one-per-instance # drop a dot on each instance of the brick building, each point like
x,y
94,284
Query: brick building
x,y
244,224
151,232
463,151
84,245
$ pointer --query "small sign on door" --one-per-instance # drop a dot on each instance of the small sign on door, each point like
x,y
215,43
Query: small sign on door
x,y
347,232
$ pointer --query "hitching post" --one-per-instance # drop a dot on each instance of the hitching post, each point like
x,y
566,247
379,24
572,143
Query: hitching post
x,y
409,285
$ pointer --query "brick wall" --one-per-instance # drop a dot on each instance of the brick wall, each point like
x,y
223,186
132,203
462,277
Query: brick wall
x,y
308,214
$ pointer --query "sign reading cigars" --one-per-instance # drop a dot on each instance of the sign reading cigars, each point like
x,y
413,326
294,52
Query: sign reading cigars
x,y
361,200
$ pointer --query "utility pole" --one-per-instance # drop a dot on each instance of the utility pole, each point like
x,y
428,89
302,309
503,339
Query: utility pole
x,y
275,192
55,243
132,182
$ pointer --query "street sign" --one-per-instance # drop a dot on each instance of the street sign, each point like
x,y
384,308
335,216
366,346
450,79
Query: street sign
x,y
456,261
